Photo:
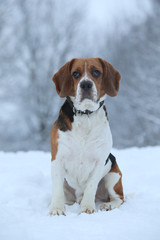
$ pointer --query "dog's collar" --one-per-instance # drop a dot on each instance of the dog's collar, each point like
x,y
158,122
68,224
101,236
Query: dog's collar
x,y
86,112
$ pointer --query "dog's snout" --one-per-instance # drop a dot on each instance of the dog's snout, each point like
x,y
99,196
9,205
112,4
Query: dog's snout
x,y
86,85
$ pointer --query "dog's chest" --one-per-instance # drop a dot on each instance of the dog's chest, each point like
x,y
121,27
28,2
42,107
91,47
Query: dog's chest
x,y
86,145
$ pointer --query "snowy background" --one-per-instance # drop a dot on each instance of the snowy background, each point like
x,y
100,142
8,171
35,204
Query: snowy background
x,y
25,185
37,37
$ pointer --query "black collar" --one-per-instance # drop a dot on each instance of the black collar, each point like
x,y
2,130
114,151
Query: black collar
x,y
87,112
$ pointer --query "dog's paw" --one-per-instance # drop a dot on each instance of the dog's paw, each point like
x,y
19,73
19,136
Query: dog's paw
x,y
88,210
111,205
57,212
106,207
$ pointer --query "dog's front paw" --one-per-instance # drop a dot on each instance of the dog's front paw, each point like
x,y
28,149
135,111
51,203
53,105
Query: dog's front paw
x,y
88,209
57,211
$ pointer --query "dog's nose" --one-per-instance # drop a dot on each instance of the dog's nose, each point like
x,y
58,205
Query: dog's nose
x,y
86,85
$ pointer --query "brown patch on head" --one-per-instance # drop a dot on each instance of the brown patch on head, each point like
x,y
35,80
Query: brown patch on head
x,y
92,68
105,77
118,188
63,80
111,78
78,67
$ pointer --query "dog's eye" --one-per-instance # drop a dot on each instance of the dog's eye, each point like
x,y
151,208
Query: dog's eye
x,y
76,74
96,73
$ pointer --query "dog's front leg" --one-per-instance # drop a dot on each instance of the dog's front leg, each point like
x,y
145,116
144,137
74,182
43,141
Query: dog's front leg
x,y
88,200
57,206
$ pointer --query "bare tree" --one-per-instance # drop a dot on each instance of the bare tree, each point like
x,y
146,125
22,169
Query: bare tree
x,y
137,109
44,44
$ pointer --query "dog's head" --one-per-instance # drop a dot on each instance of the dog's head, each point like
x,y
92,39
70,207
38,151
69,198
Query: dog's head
x,y
87,81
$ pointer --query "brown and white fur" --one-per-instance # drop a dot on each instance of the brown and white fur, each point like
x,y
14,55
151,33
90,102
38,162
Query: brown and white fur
x,y
81,143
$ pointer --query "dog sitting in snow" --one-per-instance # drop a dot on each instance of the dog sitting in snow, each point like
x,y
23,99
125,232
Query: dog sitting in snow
x,y
83,168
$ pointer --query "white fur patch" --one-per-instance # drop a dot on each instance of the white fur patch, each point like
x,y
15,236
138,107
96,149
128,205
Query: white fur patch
x,y
90,104
84,150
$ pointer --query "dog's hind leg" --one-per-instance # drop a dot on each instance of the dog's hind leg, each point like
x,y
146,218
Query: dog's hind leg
x,y
113,185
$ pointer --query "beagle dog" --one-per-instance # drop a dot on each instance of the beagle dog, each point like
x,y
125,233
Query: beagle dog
x,y
82,167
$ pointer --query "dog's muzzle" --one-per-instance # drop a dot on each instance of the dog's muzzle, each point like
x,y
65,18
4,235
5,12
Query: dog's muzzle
x,y
86,90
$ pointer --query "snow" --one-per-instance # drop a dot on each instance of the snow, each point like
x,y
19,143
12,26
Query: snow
x,y
25,196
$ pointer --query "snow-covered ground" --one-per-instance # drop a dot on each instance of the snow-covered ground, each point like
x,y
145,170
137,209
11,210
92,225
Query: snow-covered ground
x,y
25,194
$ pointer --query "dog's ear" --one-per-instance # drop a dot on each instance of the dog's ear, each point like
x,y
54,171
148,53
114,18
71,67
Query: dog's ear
x,y
63,80
111,78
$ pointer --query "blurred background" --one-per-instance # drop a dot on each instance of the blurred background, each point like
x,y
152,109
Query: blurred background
x,y
38,37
